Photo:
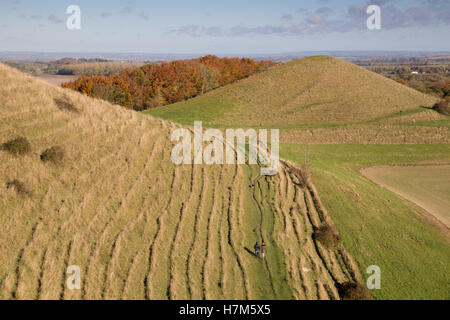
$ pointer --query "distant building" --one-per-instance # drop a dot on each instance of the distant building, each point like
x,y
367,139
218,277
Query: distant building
x,y
414,72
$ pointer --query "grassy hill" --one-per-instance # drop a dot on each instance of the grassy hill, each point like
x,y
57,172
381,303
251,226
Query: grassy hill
x,y
92,185
312,90
341,119
319,100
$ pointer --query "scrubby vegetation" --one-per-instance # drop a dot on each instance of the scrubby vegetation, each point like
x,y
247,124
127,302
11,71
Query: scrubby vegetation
x,y
18,146
54,155
353,291
327,236
159,84
19,187
442,107
302,174
64,104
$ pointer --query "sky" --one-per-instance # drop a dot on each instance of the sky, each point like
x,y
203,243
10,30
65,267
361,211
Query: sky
x,y
221,27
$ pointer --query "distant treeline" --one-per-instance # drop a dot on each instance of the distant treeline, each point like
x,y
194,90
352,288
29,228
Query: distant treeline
x,y
38,68
427,75
155,85
97,68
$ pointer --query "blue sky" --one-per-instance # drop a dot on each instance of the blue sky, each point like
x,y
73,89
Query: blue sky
x,y
221,27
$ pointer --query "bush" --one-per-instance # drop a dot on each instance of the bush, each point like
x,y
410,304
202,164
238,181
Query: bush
x,y
19,187
442,107
353,291
327,236
303,174
54,154
19,146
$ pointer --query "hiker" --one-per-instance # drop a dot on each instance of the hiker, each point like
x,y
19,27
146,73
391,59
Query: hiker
x,y
263,250
256,247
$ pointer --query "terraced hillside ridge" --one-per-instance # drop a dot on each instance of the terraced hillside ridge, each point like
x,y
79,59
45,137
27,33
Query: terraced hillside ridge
x,y
138,226
318,100
384,123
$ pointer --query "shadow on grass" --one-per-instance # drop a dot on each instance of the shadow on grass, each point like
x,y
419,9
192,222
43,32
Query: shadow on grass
x,y
250,251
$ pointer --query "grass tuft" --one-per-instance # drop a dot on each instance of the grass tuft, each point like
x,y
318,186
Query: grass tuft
x,y
64,104
353,291
327,236
18,146
303,174
442,107
19,187
54,155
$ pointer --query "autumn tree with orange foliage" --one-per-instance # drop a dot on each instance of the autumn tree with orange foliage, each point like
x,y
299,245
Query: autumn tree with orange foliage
x,y
154,85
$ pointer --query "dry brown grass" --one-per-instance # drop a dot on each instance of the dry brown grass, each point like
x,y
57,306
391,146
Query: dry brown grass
x,y
19,187
138,226
369,134
302,174
65,104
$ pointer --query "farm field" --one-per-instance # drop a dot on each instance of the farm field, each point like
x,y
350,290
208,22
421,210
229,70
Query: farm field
x,y
364,120
138,226
428,186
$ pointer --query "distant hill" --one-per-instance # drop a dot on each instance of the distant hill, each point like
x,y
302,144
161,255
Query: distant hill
x,y
313,90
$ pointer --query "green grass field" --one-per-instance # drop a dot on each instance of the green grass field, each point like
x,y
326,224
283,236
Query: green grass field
x,y
378,226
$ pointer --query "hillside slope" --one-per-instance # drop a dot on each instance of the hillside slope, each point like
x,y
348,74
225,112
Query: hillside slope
x,y
315,89
138,226
318,100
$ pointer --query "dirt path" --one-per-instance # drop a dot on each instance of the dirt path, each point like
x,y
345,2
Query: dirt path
x,y
261,239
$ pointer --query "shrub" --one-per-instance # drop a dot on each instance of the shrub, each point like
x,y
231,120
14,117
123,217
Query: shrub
x,y
303,174
327,236
19,187
18,146
353,291
54,154
442,107
65,105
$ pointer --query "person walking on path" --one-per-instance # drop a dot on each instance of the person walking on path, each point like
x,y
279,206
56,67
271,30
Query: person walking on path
x,y
256,247
263,250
